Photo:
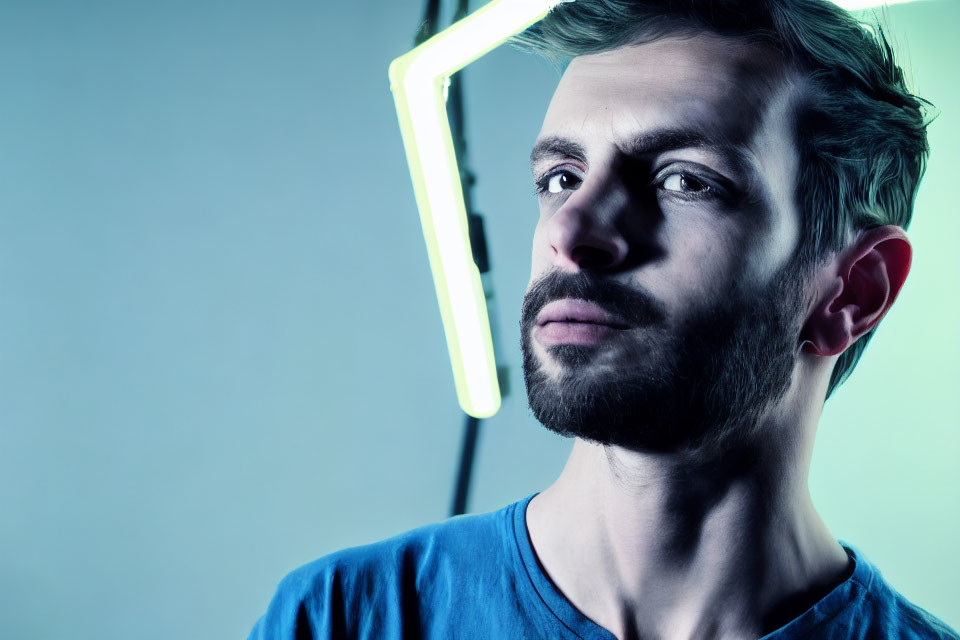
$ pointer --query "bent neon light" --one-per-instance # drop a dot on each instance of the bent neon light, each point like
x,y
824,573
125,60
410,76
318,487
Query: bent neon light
x,y
418,80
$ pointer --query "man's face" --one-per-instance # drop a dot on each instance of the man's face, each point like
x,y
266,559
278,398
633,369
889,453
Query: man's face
x,y
663,311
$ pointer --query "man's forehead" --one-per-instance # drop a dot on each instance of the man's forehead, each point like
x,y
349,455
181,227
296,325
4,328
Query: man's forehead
x,y
683,60
716,86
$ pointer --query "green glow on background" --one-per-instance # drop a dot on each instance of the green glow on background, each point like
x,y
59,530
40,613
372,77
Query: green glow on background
x,y
885,469
855,5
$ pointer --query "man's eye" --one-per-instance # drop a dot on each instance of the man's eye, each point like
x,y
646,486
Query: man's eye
x,y
683,183
557,182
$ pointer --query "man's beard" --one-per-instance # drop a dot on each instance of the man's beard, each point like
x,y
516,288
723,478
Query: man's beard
x,y
708,389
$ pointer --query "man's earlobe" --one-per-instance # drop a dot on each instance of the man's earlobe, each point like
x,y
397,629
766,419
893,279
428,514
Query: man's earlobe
x,y
858,288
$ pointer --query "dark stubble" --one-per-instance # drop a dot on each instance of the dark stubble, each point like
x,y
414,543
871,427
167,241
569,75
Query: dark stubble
x,y
706,391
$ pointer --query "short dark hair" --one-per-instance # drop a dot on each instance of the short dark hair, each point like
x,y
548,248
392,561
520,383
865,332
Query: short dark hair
x,y
860,133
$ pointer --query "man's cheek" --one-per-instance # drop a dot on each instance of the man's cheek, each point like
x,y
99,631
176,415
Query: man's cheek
x,y
706,264
540,258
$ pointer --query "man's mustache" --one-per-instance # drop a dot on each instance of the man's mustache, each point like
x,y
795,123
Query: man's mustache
x,y
634,306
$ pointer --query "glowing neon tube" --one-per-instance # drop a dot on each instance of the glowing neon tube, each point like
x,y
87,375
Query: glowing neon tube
x,y
418,80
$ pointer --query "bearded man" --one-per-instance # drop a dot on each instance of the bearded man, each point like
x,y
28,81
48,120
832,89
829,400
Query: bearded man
x,y
723,189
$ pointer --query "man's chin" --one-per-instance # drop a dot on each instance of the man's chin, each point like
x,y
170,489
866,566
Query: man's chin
x,y
572,358
602,406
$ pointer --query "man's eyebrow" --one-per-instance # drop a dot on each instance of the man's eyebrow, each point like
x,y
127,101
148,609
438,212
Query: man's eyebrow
x,y
646,143
556,146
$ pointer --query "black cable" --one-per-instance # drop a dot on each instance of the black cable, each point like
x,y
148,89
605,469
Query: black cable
x,y
455,113
468,450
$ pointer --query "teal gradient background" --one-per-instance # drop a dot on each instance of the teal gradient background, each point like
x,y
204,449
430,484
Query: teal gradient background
x,y
220,349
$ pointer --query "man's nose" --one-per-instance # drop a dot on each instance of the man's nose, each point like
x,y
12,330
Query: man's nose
x,y
586,232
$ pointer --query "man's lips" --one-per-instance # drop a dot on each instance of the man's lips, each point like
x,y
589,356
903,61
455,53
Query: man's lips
x,y
574,321
570,310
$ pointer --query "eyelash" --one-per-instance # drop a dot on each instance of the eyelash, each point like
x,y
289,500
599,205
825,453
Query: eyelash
x,y
541,185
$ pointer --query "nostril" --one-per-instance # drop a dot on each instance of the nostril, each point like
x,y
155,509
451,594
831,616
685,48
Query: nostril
x,y
588,257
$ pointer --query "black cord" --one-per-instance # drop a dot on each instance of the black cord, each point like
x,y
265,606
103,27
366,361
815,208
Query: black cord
x,y
455,112
471,432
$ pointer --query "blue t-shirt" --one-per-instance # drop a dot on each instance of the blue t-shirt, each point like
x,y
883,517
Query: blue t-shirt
x,y
476,576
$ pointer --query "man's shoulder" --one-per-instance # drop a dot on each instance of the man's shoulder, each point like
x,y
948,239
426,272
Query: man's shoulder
x,y
460,540
373,590
912,621
900,618
891,614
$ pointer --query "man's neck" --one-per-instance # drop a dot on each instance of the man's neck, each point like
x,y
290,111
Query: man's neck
x,y
649,547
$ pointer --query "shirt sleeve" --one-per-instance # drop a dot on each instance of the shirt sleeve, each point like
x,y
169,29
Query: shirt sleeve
x,y
306,606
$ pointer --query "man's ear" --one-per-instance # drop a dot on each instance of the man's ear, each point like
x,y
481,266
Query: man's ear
x,y
856,289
